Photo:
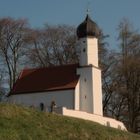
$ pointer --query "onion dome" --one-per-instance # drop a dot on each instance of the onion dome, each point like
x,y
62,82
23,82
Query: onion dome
x,y
88,28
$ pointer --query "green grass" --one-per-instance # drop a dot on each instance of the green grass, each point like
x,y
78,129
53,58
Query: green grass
x,y
21,123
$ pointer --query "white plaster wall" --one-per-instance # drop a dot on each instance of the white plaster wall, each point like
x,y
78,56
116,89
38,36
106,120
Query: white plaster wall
x,y
64,98
90,90
83,55
90,56
77,95
97,91
92,51
95,118
86,91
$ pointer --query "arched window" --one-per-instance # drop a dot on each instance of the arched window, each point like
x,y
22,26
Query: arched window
x,y
41,106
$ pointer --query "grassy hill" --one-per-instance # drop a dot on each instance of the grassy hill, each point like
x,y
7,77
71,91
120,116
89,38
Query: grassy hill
x,y
20,123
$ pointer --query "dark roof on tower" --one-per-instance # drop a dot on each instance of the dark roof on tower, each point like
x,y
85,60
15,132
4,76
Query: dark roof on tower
x,y
88,28
46,79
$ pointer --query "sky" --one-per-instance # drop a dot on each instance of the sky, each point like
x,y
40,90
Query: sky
x,y
106,13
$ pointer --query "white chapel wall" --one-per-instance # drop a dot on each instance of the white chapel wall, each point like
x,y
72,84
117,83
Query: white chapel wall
x,y
92,51
95,118
90,90
86,96
83,51
97,91
89,51
77,95
64,98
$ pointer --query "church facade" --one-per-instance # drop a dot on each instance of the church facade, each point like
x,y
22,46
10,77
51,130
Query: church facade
x,y
75,88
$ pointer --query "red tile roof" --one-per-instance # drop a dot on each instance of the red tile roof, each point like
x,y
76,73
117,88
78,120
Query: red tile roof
x,y
46,79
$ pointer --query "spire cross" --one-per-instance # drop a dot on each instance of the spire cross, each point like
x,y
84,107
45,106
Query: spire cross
x,y
88,9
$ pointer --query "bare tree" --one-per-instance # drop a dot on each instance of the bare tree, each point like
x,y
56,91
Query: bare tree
x,y
123,83
53,45
121,78
12,33
129,70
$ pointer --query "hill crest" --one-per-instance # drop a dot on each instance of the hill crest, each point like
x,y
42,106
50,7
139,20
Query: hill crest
x,y
17,122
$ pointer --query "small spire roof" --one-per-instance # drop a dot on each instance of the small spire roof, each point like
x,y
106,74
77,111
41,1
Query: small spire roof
x,y
88,28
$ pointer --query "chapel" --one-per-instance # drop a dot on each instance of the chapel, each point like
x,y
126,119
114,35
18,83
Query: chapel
x,y
74,86
75,89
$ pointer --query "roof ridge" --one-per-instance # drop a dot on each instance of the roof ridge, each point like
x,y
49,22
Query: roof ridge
x,y
54,66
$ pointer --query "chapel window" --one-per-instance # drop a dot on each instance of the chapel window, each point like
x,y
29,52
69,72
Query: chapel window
x,y
41,106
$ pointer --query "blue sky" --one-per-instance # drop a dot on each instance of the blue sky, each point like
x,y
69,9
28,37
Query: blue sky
x,y
106,13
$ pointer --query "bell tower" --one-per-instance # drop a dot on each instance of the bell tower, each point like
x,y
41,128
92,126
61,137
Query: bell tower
x,y
89,71
88,33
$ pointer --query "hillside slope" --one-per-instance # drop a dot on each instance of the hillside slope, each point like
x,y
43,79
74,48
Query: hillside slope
x,y
20,123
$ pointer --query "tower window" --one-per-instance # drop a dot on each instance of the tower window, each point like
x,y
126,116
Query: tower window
x,y
84,41
85,79
84,50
